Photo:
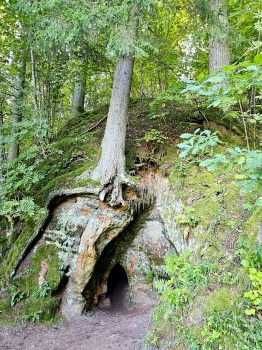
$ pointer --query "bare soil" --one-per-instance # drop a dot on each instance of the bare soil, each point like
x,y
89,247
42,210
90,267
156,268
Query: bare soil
x,y
116,329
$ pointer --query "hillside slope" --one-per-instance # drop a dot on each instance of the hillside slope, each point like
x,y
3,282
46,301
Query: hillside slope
x,y
209,284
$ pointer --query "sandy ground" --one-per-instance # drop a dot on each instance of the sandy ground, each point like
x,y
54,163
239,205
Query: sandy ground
x,y
119,327
110,329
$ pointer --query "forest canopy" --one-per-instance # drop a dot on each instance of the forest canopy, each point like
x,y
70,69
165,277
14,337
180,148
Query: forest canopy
x,y
58,60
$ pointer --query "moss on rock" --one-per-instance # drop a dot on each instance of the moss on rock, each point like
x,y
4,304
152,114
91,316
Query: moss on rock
x,y
253,226
217,301
10,262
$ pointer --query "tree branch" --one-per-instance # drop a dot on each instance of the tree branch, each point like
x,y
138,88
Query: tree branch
x,y
94,126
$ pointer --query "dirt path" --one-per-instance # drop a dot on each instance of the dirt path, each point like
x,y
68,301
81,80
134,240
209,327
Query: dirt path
x,y
117,329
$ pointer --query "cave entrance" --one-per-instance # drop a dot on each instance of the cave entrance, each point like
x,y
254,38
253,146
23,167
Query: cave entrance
x,y
117,287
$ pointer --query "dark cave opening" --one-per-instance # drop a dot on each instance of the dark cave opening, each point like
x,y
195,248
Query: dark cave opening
x,y
107,267
117,287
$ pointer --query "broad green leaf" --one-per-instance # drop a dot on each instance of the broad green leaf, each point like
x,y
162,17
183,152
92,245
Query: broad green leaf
x,y
246,185
217,78
196,131
200,76
183,154
185,136
250,312
229,68
245,263
190,88
258,58
259,202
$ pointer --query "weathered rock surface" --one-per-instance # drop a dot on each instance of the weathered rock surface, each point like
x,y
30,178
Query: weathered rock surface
x,y
89,237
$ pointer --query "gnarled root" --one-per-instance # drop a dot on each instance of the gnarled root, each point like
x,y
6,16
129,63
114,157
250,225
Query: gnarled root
x,y
114,188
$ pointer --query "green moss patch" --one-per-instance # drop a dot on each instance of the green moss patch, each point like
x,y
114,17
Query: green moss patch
x,y
253,225
46,307
217,301
10,262
49,254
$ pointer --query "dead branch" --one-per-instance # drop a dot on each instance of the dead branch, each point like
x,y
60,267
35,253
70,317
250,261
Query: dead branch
x,y
94,126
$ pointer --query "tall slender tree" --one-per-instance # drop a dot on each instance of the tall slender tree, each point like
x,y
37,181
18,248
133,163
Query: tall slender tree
x,y
1,146
78,99
17,108
219,52
111,167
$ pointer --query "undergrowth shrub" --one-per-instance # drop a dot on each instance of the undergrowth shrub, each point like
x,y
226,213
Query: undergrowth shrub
x,y
199,148
200,309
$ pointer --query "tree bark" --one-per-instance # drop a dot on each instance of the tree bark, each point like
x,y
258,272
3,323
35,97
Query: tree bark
x,y
219,53
111,167
78,99
17,111
1,149
34,85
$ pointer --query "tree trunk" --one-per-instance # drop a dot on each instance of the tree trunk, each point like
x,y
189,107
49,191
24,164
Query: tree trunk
x,y
1,149
219,54
17,111
34,78
111,167
78,99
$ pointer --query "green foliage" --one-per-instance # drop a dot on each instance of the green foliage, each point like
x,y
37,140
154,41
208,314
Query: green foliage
x,y
15,201
227,88
230,90
254,295
183,283
228,330
16,295
154,135
217,301
187,217
33,317
28,303
249,164
190,316
251,255
19,177
41,293
171,94
150,277
198,144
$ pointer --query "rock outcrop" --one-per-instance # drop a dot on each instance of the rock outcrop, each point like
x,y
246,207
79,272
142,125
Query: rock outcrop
x,y
83,238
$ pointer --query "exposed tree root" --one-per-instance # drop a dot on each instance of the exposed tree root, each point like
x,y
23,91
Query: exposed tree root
x,y
114,188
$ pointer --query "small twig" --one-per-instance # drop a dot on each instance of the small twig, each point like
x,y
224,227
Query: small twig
x,y
94,126
169,241
244,122
199,110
